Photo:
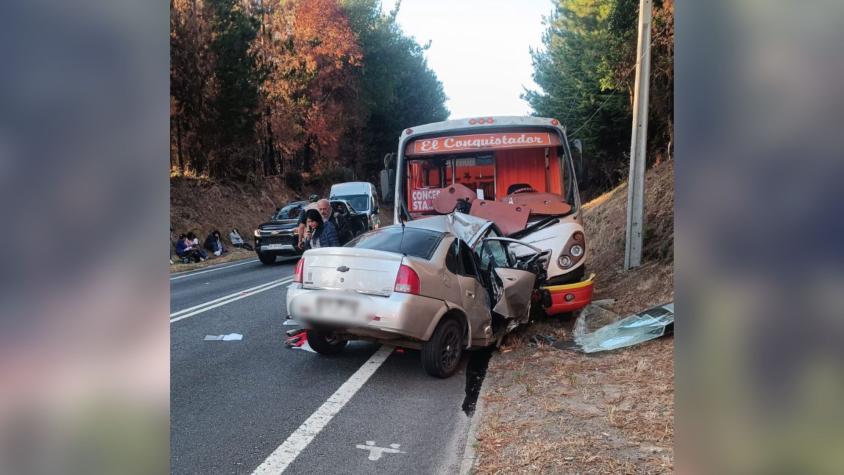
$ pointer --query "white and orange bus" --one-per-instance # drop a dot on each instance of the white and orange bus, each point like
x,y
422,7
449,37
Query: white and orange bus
x,y
515,171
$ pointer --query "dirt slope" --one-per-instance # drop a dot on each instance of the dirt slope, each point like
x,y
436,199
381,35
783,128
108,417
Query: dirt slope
x,y
605,219
545,410
200,205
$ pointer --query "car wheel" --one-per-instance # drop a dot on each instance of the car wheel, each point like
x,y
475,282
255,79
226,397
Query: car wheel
x,y
325,343
441,354
266,258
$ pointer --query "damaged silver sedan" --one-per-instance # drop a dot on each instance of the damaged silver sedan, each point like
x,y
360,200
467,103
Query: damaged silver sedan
x,y
440,284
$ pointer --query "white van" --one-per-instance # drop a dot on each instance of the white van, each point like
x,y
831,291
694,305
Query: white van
x,y
362,196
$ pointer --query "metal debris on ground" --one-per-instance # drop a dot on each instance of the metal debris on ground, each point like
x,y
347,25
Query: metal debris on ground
x,y
229,337
537,340
598,329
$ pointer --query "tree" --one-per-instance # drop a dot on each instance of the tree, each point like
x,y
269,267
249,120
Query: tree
x,y
311,88
398,89
236,81
326,86
191,68
585,75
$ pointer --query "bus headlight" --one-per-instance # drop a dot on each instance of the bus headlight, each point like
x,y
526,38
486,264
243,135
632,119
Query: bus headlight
x,y
573,251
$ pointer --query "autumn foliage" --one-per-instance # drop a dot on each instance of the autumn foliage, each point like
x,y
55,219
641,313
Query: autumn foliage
x,y
277,86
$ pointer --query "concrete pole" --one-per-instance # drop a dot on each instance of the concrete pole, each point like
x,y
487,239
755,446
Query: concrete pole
x,y
639,142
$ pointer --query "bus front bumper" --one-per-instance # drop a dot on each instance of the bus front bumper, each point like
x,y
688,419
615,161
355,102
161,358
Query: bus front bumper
x,y
569,297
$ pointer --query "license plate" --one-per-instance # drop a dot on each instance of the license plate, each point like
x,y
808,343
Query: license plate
x,y
272,247
337,308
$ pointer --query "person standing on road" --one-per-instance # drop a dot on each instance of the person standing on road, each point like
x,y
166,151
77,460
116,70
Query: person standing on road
x,y
324,208
301,228
319,233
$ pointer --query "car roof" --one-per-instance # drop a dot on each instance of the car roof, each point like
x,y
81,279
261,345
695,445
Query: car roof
x,y
463,226
351,187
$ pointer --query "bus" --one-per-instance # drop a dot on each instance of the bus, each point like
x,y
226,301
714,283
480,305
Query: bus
x,y
515,171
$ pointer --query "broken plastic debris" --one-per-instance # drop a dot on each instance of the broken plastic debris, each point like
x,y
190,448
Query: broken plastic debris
x,y
537,340
229,337
304,346
297,339
598,329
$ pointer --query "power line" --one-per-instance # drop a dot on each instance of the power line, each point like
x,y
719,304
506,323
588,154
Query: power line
x,y
600,107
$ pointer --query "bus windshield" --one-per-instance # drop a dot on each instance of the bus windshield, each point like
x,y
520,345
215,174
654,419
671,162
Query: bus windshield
x,y
492,167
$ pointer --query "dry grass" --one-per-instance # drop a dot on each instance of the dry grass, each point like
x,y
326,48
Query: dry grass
x,y
553,411
605,219
234,254
202,205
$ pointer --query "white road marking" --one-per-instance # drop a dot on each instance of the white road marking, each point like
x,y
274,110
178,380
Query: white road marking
x,y
376,452
281,458
239,292
190,274
204,307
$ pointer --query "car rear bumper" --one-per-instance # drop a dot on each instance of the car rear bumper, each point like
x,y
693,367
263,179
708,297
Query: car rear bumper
x,y
398,316
283,250
569,297
284,244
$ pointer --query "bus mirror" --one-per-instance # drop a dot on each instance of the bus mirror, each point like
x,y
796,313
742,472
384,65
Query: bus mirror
x,y
578,168
388,183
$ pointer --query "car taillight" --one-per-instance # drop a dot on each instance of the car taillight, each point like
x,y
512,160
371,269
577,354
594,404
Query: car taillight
x,y
407,281
297,274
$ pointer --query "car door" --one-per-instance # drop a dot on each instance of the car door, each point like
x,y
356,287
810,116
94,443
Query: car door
x,y
512,287
473,296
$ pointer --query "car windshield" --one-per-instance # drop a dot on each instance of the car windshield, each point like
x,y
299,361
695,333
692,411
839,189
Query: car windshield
x,y
290,211
414,242
358,202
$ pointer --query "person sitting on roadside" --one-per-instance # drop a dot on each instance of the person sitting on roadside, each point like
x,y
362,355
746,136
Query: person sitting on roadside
x,y
214,243
237,240
319,233
186,251
194,244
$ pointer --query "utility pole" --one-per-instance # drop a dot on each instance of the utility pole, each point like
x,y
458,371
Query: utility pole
x,y
639,142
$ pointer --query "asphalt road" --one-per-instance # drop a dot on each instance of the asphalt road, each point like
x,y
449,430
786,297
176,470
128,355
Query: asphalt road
x,y
234,403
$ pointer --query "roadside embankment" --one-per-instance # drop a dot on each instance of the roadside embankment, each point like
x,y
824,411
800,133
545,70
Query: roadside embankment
x,y
201,206
546,410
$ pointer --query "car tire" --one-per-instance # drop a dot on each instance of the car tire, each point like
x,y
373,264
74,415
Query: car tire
x,y
325,343
441,354
266,258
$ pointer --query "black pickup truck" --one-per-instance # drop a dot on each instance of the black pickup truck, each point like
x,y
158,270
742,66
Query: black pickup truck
x,y
277,237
